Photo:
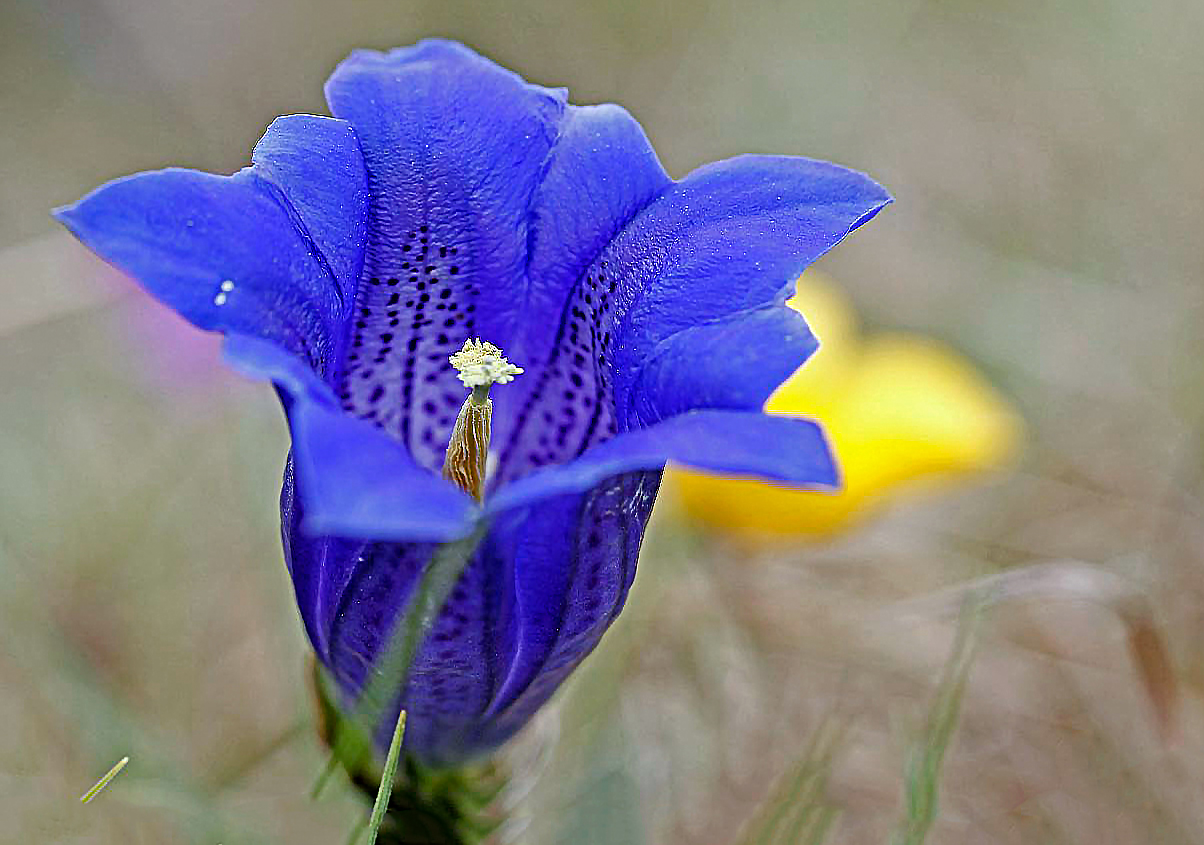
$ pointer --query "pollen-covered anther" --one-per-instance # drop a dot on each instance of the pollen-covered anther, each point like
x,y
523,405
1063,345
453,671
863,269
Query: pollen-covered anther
x,y
480,366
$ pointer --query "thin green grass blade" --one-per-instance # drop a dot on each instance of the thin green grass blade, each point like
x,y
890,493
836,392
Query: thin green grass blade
x,y
811,827
353,838
332,766
924,760
238,771
386,781
795,810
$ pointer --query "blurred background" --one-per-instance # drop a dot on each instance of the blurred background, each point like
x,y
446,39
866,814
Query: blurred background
x,y
1046,245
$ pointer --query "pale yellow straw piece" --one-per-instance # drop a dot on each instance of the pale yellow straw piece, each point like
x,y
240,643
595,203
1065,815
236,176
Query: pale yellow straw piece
x,y
104,781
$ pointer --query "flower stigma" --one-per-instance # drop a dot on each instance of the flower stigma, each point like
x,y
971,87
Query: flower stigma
x,y
480,366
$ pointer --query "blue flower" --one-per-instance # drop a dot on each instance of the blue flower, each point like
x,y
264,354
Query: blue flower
x,y
448,199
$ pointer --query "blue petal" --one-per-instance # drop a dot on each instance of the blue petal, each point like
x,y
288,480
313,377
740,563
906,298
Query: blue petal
x,y
316,164
731,237
734,364
455,671
354,480
321,567
727,241
455,148
197,241
575,562
540,591
358,482
346,484
603,172
740,443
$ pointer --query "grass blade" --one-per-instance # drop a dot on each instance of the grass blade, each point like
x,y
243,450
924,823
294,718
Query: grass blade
x,y
795,811
386,781
924,761
1069,580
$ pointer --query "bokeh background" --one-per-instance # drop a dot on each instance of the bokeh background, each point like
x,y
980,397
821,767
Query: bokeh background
x,y
1046,159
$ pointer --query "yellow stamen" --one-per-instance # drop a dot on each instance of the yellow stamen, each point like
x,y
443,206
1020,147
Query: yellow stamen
x,y
480,366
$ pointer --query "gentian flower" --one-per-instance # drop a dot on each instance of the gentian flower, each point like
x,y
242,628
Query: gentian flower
x,y
448,201
906,414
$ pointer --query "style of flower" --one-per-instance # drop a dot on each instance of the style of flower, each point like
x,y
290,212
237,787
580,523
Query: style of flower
x,y
905,414
447,201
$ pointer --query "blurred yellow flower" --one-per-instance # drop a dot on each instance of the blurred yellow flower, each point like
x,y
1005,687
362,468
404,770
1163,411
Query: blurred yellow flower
x,y
902,411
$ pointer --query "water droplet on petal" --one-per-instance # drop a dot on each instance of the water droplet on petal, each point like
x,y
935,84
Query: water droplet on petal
x,y
225,287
